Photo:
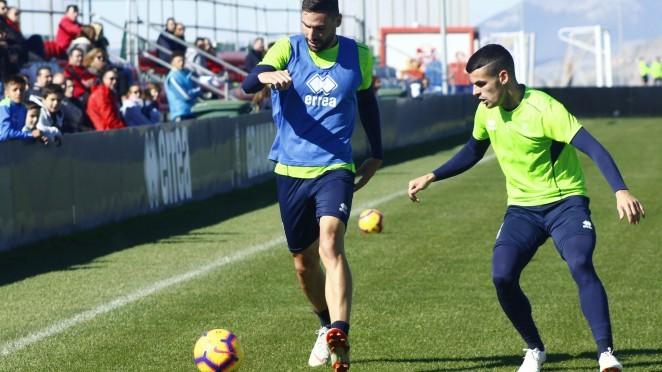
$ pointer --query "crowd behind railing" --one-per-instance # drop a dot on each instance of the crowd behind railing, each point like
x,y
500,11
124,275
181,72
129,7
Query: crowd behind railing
x,y
69,84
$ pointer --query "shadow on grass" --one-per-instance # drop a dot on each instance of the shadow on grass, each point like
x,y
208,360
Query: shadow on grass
x,y
169,227
495,361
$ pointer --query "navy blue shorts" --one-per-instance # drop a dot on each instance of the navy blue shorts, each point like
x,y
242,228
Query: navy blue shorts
x,y
304,201
527,228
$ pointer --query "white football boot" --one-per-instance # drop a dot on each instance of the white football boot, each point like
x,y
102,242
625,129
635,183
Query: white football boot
x,y
533,360
320,354
608,362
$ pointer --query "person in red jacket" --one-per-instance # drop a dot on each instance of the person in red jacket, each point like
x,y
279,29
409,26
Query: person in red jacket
x,y
82,78
67,30
102,104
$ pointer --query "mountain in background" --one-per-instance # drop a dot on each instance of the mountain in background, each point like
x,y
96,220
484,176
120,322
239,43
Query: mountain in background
x,y
634,26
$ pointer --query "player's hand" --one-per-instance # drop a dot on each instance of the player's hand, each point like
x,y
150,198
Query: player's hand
x,y
366,171
280,80
418,184
628,206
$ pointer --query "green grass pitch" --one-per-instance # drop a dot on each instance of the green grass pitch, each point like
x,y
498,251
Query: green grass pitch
x,y
136,295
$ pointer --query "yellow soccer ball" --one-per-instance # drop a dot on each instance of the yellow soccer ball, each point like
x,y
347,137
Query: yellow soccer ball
x,y
217,350
371,221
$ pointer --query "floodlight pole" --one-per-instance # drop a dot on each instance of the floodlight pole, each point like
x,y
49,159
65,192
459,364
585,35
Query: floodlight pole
x,y
444,49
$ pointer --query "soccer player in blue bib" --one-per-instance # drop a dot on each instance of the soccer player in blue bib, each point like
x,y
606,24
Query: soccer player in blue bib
x,y
534,139
318,80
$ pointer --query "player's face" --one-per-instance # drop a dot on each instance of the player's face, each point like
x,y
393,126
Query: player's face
x,y
488,88
319,29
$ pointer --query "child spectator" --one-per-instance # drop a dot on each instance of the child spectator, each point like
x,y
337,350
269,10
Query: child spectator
x,y
180,89
133,108
13,112
31,116
102,105
51,118
153,99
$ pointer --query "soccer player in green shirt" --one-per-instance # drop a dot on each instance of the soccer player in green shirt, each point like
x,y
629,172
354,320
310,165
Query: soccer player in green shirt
x,y
534,139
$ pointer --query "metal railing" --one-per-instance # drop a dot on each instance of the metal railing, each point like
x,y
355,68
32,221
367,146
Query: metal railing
x,y
225,94
212,57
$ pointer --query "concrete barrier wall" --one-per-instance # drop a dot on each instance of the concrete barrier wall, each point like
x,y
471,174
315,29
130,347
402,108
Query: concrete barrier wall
x,y
102,177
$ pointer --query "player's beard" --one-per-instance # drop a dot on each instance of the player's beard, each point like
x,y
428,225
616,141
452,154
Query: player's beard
x,y
320,45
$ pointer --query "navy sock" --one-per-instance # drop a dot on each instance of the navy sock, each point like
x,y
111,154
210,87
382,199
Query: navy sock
x,y
324,316
344,326
604,345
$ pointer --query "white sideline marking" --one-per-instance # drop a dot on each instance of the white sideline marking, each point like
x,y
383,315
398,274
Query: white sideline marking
x,y
61,326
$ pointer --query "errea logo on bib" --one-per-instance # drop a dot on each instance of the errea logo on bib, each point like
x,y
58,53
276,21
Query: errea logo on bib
x,y
319,84
324,85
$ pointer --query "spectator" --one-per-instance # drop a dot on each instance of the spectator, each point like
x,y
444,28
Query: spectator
x,y
82,79
58,78
261,100
164,41
67,30
415,78
31,117
179,34
34,43
458,76
73,110
84,40
9,56
133,108
656,71
644,71
194,56
13,112
96,61
255,54
3,14
102,105
51,118
99,40
44,77
180,89
153,99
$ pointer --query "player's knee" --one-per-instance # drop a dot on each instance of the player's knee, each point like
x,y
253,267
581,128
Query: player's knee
x,y
305,265
504,280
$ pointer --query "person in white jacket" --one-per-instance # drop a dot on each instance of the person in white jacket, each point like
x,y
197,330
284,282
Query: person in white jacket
x,y
50,117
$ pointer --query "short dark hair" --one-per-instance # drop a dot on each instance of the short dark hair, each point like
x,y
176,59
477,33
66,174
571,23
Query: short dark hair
x,y
72,6
320,6
495,56
16,80
52,89
44,68
31,105
178,53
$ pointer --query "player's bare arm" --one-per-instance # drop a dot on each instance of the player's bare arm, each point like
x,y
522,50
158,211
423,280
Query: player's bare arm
x,y
419,184
628,206
365,172
280,80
